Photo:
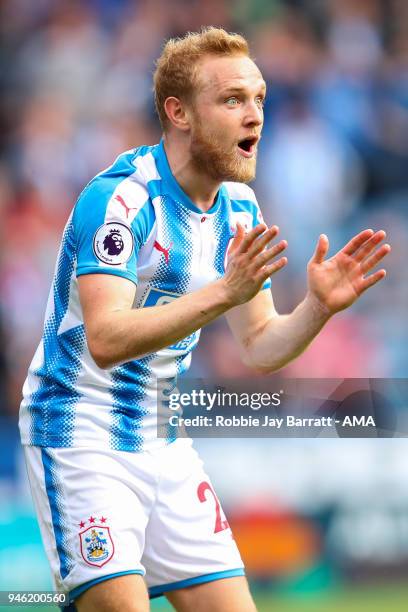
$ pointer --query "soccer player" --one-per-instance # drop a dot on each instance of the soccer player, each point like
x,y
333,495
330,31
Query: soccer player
x,y
164,241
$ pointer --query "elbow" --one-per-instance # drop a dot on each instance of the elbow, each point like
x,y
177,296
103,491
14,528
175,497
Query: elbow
x,y
100,352
101,357
260,368
106,355
254,366
264,370
103,364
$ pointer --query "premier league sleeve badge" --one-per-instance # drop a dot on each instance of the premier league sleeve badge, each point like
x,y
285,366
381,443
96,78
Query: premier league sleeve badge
x,y
113,243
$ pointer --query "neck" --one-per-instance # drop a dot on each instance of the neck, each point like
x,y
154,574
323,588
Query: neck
x,y
199,187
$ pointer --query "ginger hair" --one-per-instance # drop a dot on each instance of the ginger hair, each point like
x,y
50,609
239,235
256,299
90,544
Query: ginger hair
x,y
176,69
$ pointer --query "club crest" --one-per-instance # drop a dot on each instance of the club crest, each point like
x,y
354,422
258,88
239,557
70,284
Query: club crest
x,y
96,542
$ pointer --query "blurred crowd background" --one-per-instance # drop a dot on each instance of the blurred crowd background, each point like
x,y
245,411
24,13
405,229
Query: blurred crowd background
x,y
76,90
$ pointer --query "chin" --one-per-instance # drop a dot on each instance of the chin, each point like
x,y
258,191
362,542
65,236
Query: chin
x,y
222,164
242,173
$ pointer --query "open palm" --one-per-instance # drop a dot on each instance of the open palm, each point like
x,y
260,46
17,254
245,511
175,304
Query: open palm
x,y
337,282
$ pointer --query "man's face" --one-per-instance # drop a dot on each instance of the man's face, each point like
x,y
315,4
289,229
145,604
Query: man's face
x,y
227,117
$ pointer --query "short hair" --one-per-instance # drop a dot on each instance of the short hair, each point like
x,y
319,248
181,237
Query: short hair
x,y
176,73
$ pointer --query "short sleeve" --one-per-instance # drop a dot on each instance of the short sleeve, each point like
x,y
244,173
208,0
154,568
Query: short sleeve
x,y
110,227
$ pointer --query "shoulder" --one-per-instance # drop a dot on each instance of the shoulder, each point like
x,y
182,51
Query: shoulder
x,y
239,191
121,190
243,201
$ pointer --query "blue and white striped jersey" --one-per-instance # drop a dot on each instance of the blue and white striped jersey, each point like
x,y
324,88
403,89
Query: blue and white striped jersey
x,y
132,220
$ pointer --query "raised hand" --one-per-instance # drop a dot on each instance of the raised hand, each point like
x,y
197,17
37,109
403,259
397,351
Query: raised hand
x,y
249,261
339,281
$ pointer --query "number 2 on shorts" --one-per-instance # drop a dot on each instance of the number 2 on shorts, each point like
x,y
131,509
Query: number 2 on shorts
x,y
202,489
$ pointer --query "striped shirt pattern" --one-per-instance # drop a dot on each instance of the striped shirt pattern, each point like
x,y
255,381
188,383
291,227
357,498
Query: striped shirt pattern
x,y
132,220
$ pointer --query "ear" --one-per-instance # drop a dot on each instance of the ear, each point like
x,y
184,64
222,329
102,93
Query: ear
x,y
177,113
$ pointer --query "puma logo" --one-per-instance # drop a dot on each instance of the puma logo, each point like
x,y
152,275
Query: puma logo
x,y
166,252
125,206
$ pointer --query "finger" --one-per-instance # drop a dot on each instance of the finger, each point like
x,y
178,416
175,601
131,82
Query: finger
x,y
259,244
371,280
369,245
356,242
267,271
269,254
239,235
321,250
251,237
373,260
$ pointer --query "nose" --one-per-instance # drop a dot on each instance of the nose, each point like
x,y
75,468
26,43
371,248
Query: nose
x,y
253,115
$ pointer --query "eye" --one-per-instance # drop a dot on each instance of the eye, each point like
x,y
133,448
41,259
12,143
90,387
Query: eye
x,y
233,101
260,100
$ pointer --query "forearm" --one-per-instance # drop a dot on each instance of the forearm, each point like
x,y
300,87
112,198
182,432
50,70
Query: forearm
x,y
127,334
117,333
284,337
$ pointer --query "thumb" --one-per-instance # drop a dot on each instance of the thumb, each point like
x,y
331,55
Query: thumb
x,y
321,250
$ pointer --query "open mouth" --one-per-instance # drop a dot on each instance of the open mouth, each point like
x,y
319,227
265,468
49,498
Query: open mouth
x,y
247,146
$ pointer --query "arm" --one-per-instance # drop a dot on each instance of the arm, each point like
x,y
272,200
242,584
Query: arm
x,y
268,341
117,333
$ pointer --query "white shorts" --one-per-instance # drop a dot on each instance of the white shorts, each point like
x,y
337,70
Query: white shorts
x,y
105,513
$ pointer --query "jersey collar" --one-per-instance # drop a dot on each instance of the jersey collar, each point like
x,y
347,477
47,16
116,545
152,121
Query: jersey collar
x,y
172,188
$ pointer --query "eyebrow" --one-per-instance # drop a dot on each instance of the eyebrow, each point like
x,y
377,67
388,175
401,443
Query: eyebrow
x,y
237,89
